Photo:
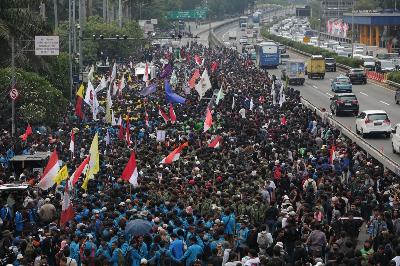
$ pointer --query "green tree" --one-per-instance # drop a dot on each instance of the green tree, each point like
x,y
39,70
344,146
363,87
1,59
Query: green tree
x,y
111,48
366,4
38,102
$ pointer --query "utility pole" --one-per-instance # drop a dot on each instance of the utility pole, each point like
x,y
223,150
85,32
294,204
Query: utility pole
x,y
80,28
12,85
71,27
120,13
74,25
55,14
352,29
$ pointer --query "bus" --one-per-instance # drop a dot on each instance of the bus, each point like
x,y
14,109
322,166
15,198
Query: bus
x,y
242,19
256,17
267,55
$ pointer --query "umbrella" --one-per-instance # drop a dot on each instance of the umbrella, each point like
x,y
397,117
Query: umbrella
x,y
138,227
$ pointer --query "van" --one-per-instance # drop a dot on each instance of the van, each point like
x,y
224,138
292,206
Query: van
x,y
396,139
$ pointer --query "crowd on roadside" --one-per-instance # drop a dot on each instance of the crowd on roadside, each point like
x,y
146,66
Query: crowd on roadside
x,y
283,188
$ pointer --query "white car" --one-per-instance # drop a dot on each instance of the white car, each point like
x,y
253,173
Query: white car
x,y
243,40
396,139
373,121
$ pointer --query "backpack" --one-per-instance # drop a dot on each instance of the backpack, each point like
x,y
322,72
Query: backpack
x,y
263,241
310,187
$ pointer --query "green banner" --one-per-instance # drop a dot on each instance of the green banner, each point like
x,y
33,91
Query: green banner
x,y
188,14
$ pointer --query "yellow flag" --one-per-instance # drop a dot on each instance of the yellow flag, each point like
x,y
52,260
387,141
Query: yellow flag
x,y
61,175
94,164
80,91
89,174
129,78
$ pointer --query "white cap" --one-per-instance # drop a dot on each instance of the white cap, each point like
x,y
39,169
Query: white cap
x,y
19,256
143,261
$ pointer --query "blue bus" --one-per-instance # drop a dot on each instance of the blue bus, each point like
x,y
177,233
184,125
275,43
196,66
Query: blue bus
x,y
256,17
267,55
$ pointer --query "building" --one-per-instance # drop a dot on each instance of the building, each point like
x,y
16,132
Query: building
x,y
335,8
375,29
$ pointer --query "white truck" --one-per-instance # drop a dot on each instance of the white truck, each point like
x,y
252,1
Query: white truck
x,y
232,35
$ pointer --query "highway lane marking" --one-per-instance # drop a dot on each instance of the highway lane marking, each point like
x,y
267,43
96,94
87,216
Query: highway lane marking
x,y
363,93
330,95
315,87
385,103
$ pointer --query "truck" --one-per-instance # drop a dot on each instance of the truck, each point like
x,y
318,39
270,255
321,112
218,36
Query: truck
x,y
316,67
294,72
232,35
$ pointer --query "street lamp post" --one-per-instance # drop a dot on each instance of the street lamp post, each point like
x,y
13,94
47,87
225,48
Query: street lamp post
x,y
352,29
12,85
70,29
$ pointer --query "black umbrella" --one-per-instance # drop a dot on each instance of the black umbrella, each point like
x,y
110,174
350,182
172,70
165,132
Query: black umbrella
x,y
138,227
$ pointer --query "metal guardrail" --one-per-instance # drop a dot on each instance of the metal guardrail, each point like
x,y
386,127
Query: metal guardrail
x,y
368,148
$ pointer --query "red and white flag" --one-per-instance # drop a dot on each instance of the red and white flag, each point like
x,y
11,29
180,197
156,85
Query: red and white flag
x,y
75,176
50,172
127,132
130,172
174,155
146,119
195,76
332,154
208,120
163,114
172,114
67,210
72,142
198,60
283,121
216,142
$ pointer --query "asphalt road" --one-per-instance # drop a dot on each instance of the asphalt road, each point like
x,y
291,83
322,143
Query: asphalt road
x,y
371,96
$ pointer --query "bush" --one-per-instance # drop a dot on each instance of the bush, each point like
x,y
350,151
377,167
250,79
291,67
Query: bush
x,y
313,50
38,102
394,76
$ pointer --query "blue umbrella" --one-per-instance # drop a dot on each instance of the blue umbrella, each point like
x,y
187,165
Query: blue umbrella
x,y
138,227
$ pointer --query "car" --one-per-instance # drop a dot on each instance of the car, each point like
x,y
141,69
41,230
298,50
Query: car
x,y
373,121
396,139
357,75
243,40
341,84
397,97
344,102
330,64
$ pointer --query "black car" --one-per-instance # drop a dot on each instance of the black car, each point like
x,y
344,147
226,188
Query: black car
x,y
344,102
330,64
357,75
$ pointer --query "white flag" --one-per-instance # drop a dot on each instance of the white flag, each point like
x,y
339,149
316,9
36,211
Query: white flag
x,y
102,85
204,84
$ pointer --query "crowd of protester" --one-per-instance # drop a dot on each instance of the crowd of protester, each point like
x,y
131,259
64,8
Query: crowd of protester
x,y
283,188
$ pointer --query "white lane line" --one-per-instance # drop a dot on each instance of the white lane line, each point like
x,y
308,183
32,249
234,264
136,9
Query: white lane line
x,y
330,95
315,87
384,102
363,93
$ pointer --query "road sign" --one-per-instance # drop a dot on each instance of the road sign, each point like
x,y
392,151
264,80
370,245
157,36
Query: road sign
x,y
14,94
47,45
306,39
188,14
